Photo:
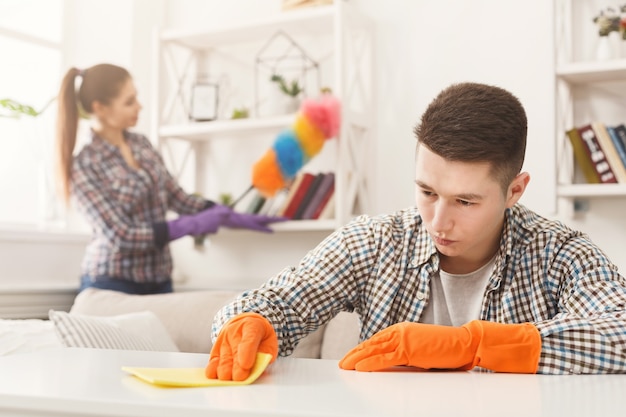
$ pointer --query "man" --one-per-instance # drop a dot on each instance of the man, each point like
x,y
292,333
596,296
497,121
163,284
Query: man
x,y
467,278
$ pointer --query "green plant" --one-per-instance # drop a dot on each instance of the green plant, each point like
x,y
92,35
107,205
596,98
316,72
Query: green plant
x,y
226,199
240,113
16,109
291,89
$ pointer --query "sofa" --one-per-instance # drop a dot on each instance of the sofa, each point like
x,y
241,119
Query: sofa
x,y
187,316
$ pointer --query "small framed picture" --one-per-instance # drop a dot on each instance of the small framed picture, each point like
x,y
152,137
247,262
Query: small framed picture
x,y
203,102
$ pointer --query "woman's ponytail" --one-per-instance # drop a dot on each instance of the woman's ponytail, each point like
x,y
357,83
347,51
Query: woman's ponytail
x,y
67,126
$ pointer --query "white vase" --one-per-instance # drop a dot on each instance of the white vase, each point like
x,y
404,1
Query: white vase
x,y
609,47
603,50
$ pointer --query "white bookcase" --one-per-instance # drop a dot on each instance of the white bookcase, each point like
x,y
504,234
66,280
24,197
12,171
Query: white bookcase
x,y
587,89
206,153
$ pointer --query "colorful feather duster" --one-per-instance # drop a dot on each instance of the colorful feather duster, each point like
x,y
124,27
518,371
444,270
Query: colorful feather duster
x,y
317,121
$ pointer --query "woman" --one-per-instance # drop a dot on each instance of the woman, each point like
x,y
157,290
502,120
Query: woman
x,y
122,186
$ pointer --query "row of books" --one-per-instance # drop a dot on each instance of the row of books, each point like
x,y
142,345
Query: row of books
x,y
600,151
310,197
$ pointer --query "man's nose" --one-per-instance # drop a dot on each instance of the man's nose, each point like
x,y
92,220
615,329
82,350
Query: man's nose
x,y
442,218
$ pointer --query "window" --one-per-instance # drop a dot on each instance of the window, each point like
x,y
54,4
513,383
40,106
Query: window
x,y
30,41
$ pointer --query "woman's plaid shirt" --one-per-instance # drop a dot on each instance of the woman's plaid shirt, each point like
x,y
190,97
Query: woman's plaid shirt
x,y
122,204
380,267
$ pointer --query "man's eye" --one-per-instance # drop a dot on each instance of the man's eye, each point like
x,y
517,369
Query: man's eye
x,y
465,203
428,193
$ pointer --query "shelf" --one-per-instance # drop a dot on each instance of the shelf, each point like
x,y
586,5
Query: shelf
x,y
585,91
593,71
305,225
339,37
309,21
592,190
202,131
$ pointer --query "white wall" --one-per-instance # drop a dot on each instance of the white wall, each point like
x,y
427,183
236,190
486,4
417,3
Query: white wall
x,y
422,46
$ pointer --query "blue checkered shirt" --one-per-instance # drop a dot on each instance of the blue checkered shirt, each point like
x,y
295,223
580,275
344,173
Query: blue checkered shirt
x,y
380,267
122,205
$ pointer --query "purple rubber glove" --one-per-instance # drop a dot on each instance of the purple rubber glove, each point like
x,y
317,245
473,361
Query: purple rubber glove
x,y
254,222
207,221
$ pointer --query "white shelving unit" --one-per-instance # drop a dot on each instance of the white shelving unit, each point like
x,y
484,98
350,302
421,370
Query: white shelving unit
x,y
580,79
180,57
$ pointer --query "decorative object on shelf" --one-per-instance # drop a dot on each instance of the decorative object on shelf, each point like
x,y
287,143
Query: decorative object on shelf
x,y
240,113
296,4
318,120
292,89
280,59
609,29
204,99
290,101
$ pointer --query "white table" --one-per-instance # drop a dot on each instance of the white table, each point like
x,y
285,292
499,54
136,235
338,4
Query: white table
x,y
89,382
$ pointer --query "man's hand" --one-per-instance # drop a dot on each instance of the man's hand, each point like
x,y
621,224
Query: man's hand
x,y
495,346
237,344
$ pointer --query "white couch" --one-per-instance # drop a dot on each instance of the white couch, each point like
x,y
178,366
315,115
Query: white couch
x,y
187,317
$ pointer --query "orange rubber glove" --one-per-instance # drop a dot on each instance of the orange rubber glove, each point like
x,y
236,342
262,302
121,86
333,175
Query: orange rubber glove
x,y
495,346
237,344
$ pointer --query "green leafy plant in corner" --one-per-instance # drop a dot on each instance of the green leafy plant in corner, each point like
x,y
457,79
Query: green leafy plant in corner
x,y
292,88
14,109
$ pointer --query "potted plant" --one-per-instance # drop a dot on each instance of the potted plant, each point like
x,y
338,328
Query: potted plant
x,y
292,89
288,101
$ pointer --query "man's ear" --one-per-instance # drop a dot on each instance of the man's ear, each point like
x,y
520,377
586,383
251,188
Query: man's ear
x,y
517,188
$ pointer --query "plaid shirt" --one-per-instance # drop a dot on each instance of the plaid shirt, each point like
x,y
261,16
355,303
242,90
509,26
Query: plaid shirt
x,y
380,267
122,205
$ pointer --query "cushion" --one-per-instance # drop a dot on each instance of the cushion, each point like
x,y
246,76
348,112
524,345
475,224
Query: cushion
x,y
341,335
309,346
187,315
133,331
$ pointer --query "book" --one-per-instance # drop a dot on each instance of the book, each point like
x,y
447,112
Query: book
x,y
582,157
298,195
598,158
267,206
328,212
606,143
290,192
619,140
620,131
327,182
308,196
255,204
277,203
326,200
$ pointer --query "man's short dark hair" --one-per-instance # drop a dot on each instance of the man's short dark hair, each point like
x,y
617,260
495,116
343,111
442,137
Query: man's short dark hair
x,y
472,122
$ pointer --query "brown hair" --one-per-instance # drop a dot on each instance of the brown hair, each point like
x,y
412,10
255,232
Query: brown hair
x,y
101,83
471,122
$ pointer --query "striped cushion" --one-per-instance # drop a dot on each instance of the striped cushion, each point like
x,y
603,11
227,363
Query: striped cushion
x,y
133,331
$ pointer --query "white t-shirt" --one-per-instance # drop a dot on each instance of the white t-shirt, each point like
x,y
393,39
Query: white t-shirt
x,y
456,299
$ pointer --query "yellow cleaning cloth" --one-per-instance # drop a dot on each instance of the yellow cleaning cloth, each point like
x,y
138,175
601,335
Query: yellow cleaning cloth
x,y
194,377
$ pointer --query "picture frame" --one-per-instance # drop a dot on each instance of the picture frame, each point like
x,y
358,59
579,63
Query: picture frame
x,y
204,100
